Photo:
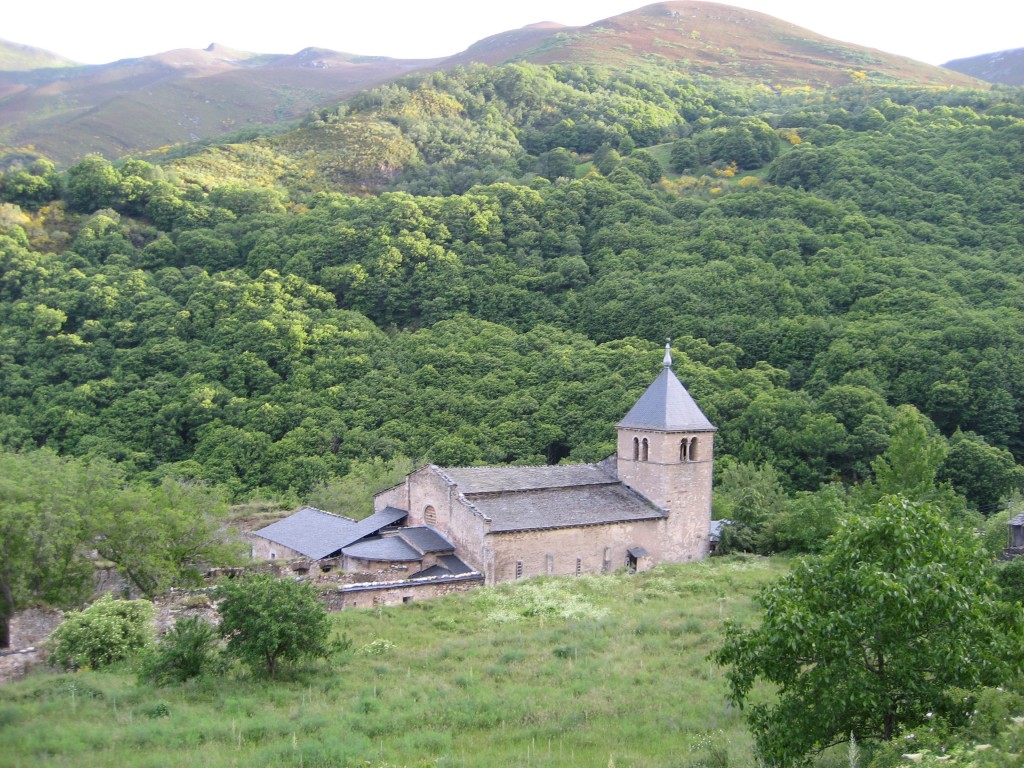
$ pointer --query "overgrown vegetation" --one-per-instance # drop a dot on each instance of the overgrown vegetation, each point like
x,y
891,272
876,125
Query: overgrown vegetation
x,y
438,683
264,338
106,632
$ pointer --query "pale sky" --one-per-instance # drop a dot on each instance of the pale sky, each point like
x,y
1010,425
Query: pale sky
x,y
100,31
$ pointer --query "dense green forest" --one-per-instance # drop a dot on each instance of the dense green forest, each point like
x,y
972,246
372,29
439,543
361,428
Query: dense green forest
x,y
481,266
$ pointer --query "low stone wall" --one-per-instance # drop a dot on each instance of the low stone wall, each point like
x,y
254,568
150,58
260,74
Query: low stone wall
x,y
33,625
29,629
397,592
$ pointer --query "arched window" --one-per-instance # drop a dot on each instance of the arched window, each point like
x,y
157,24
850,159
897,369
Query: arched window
x,y
684,449
636,449
430,515
644,449
693,449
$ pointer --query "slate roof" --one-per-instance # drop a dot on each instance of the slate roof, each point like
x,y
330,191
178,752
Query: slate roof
x,y
1018,520
425,539
716,529
390,548
512,478
667,406
374,523
310,532
568,506
317,534
450,566
454,565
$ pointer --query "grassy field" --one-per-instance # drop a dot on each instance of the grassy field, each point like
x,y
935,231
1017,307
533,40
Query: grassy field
x,y
591,671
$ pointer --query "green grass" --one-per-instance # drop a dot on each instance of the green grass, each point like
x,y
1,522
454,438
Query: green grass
x,y
663,154
546,672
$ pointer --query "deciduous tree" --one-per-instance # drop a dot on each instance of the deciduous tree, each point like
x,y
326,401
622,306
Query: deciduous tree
x,y
869,636
268,620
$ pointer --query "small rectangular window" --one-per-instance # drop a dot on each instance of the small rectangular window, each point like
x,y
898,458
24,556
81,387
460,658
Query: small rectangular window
x,y
579,566
519,569
549,564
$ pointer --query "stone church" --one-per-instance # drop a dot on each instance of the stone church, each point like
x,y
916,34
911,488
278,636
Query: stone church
x,y
648,503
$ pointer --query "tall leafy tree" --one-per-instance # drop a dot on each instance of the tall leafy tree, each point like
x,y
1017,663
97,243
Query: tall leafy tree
x,y
870,636
44,506
161,537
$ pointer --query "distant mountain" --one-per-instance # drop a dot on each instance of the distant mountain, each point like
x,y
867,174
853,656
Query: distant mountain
x,y
710,39
1005,67
15,57
135,105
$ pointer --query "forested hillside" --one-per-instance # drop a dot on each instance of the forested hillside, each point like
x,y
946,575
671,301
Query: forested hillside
x,y
482,265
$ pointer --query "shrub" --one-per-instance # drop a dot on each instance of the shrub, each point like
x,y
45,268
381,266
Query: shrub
x,y
267,620
188,650
106,632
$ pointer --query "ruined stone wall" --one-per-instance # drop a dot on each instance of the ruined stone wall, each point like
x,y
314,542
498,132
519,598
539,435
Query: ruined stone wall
x,y
33,625
265,549
396,593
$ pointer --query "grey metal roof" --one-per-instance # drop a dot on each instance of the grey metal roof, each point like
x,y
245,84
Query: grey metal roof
x,y
591,504
385,548
310,532
668,407
425,539
513,478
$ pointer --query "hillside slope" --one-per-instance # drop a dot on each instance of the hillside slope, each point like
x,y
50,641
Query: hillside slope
x,y
15,57
1004,67
711,39
135,105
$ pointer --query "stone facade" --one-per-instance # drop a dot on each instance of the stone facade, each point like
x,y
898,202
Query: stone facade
x,y
648,503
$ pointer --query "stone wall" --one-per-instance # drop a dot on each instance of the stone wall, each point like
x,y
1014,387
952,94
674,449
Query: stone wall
x,y
398,592
569,551
33,625
265,549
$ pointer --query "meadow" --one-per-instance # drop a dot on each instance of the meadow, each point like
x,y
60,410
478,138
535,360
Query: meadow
x,y
589,671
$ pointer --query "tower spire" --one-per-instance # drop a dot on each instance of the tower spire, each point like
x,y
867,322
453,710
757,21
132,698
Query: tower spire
x,y
668,353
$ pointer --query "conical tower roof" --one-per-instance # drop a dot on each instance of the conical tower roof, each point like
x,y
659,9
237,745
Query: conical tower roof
x,y
666,406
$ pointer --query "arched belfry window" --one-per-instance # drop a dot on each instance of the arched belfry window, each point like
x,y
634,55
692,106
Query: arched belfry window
x,y
684,449
693,449
430,515
636,449
644,449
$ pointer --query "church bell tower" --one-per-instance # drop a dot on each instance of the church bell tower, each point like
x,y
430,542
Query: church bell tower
x,y
665,452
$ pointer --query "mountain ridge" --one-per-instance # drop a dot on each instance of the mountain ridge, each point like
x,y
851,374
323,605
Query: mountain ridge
x,y
137,105
1003,67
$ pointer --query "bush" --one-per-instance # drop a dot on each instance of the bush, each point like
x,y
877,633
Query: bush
x,y
189,649
106,632
267,620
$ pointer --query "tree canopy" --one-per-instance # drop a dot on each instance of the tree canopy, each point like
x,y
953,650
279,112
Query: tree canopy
x,y
871,635
267,620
